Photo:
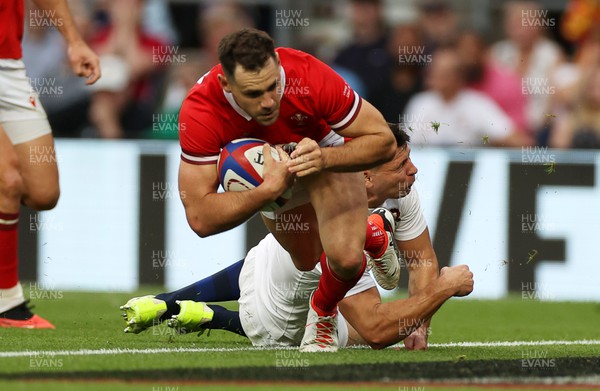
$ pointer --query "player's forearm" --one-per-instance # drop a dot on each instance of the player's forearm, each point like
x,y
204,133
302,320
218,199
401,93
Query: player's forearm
x,y
421,273
396,320
360,153
63,19
219,212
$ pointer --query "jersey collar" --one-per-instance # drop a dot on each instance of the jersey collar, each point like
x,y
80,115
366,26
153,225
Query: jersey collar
x,y
239,110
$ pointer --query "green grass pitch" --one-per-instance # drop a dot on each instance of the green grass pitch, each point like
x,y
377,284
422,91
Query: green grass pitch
x,y
92,322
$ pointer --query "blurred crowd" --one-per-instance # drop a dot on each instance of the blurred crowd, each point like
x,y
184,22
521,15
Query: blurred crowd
x,y
536,81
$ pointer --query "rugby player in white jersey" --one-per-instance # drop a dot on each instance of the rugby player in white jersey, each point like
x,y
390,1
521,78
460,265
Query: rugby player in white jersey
x,y
273,294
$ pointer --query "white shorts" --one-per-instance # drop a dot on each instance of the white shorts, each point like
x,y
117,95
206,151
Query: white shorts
x,y
21,113
274,296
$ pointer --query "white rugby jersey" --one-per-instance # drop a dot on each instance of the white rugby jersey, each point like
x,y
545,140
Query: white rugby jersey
x,y
412,221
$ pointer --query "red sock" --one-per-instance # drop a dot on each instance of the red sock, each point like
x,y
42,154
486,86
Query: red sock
x,y
332,288
9,276
375,240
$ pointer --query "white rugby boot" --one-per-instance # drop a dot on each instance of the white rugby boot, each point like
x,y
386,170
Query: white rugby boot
x,y
320,333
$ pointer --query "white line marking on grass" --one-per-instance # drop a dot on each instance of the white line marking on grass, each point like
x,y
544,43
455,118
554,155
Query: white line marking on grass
x,y
90,352
100,352
513,343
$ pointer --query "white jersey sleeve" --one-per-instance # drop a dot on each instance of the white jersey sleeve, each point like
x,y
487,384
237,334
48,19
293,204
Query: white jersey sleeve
x,y
412,221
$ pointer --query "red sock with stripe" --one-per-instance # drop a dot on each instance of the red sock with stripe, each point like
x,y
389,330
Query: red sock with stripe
x,y
9,275
375,239
332,288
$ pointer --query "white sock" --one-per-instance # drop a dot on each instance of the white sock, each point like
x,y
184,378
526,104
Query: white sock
x,y
11,297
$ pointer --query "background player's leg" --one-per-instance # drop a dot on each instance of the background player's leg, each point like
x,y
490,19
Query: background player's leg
x,y
29,175
11,189
39,172
221,286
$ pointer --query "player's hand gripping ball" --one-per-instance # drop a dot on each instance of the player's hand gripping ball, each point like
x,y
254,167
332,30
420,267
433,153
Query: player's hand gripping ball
x,y
240,167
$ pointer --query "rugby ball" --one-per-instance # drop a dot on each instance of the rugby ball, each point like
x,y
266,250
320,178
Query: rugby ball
x,y
240,167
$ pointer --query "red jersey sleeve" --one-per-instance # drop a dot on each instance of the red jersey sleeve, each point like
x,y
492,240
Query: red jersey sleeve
x,y
336,102
200,143
11,28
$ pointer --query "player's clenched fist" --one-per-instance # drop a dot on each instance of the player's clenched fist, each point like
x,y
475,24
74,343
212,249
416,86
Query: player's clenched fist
x,y
307,158
276,177
460,278
84,62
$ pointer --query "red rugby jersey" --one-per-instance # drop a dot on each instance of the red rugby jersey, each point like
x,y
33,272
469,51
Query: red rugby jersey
x,y
11,28
315,101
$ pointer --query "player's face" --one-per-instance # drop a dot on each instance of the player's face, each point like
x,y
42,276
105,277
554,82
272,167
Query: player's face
x,y
393,179
257,93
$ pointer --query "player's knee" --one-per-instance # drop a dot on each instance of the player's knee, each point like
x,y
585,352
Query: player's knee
x,y
345,261
43,200
11,181
346,268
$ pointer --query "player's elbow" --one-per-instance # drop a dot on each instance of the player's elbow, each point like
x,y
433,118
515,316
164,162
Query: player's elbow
x,y
375,336
203,230
199,227
376,341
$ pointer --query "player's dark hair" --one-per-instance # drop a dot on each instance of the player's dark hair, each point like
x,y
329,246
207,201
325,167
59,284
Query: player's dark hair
x,y
250,48
402,138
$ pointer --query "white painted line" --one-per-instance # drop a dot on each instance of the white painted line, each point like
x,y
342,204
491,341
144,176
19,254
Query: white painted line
x,y
512,343
100,352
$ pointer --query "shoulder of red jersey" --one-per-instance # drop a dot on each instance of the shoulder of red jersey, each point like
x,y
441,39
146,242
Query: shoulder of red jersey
x,y
332,97
199,118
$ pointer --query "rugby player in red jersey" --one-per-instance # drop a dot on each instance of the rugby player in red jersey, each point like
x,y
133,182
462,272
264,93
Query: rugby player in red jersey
x,y
25,137
248,95
272,293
